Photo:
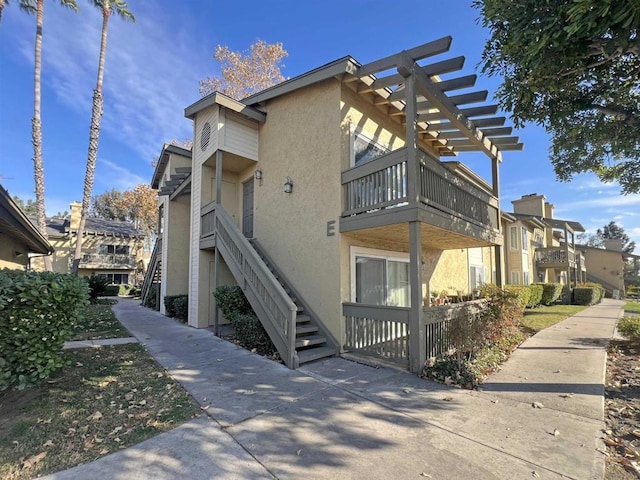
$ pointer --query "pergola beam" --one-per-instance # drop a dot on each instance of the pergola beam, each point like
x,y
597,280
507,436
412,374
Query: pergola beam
x,y
429,49
467,112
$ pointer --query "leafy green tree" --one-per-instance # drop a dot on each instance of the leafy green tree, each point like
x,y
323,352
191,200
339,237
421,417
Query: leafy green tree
x,y
572,66
29,207
612,231
108,7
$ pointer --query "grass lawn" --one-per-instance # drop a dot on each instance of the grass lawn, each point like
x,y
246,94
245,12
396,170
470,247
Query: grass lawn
x,y
539,318
106,399
99,322
631,306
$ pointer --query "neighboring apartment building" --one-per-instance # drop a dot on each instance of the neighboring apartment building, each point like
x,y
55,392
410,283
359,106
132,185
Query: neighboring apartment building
x,y
606,266
328,199
20,239
110,249
539,247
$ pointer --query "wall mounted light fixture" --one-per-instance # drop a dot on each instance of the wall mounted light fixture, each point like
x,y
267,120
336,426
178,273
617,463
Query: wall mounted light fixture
x,y
258,175
288,185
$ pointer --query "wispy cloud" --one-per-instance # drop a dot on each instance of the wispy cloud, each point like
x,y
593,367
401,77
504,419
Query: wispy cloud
x,y
112,175
602,203
151,72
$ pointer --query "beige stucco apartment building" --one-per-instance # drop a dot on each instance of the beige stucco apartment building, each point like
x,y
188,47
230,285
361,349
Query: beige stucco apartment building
x,y
539,247
329,199
110,249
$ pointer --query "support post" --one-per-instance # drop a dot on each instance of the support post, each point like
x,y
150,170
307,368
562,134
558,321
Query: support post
x,y
499,250
216,263
417,328
411,143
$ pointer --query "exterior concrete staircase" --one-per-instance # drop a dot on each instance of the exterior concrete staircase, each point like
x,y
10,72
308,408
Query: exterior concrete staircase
x,y
312,340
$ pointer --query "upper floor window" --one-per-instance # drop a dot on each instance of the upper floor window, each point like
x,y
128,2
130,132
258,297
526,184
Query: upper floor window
x,y
513,238
113,249
525,242
365,149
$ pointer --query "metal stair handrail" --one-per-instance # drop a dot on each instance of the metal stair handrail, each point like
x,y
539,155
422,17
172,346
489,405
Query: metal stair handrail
x,y
273,306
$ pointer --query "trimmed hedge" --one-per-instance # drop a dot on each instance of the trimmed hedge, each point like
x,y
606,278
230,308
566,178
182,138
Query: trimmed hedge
x,y
551,293
112,291
39,312
176,306
535,295
588,294
630,328
521,293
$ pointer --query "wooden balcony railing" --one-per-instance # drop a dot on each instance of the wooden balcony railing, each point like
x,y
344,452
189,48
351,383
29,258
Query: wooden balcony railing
x,y
383,331
107,260
555,256
207,219
382,183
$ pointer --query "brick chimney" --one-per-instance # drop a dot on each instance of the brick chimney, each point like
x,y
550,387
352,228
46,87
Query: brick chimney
x,y
548,210
614,244
76,210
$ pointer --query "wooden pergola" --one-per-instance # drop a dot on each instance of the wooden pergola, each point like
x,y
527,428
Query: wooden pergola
x,y
418,98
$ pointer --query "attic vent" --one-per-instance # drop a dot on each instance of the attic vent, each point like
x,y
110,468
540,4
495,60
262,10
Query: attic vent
x,y
205,136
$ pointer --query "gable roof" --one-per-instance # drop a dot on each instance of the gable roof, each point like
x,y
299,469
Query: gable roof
x,y
163,159
15,224
61,227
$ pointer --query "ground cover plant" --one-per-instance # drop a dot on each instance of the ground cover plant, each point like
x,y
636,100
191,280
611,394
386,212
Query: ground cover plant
x,y
107,398
631,306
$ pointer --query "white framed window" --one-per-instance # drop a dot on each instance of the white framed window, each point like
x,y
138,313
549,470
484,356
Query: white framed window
x,y
115,278
380,277
365,148
513,238
515,278
525,278
525,241
477,270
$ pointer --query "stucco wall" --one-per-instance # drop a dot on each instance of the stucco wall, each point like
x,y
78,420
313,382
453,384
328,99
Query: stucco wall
x,y
177,239
605,265
12,254
301,140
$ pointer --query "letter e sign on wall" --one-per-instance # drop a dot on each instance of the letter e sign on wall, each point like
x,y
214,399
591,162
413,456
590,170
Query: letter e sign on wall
x,y
331,228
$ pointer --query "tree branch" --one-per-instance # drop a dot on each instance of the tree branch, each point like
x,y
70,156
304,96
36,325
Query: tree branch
x,y
619,114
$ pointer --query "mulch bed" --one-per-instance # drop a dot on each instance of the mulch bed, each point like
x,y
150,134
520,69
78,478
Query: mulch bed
x,y
622,411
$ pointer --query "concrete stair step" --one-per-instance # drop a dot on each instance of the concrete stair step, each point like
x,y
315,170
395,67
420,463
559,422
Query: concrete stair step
x,y
306,329
316,353
310,340
302,318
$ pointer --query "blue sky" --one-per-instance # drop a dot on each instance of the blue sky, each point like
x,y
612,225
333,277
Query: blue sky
x,y
153,67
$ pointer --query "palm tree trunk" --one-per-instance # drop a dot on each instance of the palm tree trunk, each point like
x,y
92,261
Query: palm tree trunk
x,y
94,135
36,131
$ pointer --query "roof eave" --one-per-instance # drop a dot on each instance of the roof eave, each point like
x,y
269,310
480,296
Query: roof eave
x,y
217,98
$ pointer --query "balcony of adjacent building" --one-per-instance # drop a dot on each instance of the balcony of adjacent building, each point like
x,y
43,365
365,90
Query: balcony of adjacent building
x,y
105,261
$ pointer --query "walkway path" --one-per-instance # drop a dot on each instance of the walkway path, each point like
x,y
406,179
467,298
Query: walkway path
x,y
339,419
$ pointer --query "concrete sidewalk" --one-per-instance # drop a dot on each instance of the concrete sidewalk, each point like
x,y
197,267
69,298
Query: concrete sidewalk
x,y
339,419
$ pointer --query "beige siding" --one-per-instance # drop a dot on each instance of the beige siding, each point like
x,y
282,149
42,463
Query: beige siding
x,y
211,116
238,135
194,244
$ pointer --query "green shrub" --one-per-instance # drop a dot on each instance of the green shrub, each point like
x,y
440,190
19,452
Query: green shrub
x,y
599,289
173,303
630,328
522,294
125,290
231,301
551,293
97,287
535,295
251,334
586,295
112,291
181,306
38,312
152,296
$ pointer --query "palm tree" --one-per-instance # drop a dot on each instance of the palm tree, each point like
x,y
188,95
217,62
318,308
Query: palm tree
x,y
108,7
37,7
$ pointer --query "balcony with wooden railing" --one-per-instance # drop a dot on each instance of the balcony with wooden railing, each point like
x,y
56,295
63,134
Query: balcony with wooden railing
x,y
108,261
459,212
556,257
